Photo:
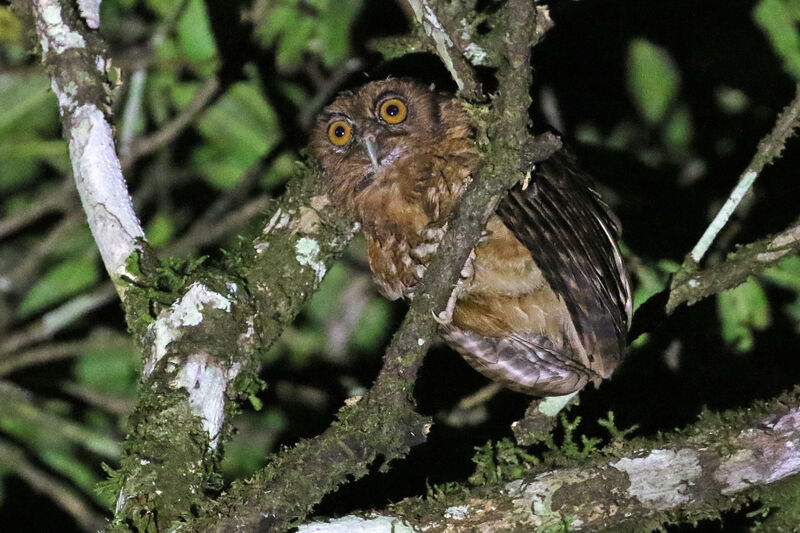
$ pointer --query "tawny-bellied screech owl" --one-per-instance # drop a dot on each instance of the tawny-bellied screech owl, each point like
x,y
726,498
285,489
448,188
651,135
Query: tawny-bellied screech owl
x,y
545,306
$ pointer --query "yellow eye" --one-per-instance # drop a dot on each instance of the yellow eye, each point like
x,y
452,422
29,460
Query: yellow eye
x,y
339,132
393,111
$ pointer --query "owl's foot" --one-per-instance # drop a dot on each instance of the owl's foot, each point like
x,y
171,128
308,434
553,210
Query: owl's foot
x,y
445,318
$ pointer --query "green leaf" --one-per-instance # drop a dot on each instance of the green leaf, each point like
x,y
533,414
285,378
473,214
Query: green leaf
x,y
327,299
793,7
30,113
53,151
786,273
743,310
332,40
160,230
678,130
369,332
196,39
239,128
77,243
64,462
27,104
651,279
321,27
65,280
775,18
653,79
731,101
10,26
112,369
294,42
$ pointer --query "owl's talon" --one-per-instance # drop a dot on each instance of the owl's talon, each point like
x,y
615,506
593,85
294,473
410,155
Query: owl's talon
x,y
468,270
445,318
442,319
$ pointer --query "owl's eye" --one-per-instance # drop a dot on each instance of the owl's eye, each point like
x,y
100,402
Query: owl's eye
x,y
339,132
393,111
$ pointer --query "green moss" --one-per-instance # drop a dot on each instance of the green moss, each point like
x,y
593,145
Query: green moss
x,y
780,511
500,461
162,474
616,434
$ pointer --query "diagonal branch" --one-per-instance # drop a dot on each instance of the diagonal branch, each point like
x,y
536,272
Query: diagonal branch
x,y
689,284
440,30
384,423
77,69
769,148
748,260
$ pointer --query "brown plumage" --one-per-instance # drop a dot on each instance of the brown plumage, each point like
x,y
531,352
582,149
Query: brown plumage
x,y
545,306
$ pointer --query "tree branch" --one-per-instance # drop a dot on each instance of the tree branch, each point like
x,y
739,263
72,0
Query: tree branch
x,y
769,148
14,460
384,422
77,68
440,29
202,97
720,462
748,260
689,284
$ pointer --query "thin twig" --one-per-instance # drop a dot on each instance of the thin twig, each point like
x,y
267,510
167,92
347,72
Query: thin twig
x,y
201,234
22,276
59,318
42,354
748,260
133,106
115,404
18,403
438,29
62,494
200,100
327,89
53,200
769,148
55,352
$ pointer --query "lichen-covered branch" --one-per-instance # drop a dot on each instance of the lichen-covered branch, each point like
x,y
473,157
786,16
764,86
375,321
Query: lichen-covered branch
x,y
721,462
769,148
77,72
383,423
440,28
200,352
199,329
748,260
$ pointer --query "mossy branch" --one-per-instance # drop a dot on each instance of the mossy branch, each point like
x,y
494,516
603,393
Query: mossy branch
x,y
691,284
748,260
769,148
721,462
384,423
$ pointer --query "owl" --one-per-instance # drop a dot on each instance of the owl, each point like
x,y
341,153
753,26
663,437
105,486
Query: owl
x,y
545,304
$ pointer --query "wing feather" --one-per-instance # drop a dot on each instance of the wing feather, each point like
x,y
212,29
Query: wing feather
x,y
571,234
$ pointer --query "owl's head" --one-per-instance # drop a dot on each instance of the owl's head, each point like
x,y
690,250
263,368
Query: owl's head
x,y
368,136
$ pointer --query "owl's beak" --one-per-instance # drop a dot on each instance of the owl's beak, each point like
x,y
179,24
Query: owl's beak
x,y
372,151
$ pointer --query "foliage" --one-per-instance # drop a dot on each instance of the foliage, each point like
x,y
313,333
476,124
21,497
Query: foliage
x,y
500,461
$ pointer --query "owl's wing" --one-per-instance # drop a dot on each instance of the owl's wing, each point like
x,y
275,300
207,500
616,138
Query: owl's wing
x,y
572,235
526,363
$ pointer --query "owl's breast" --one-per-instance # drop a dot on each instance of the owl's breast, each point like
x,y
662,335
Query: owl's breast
x,y
398,259
507,293
404,214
